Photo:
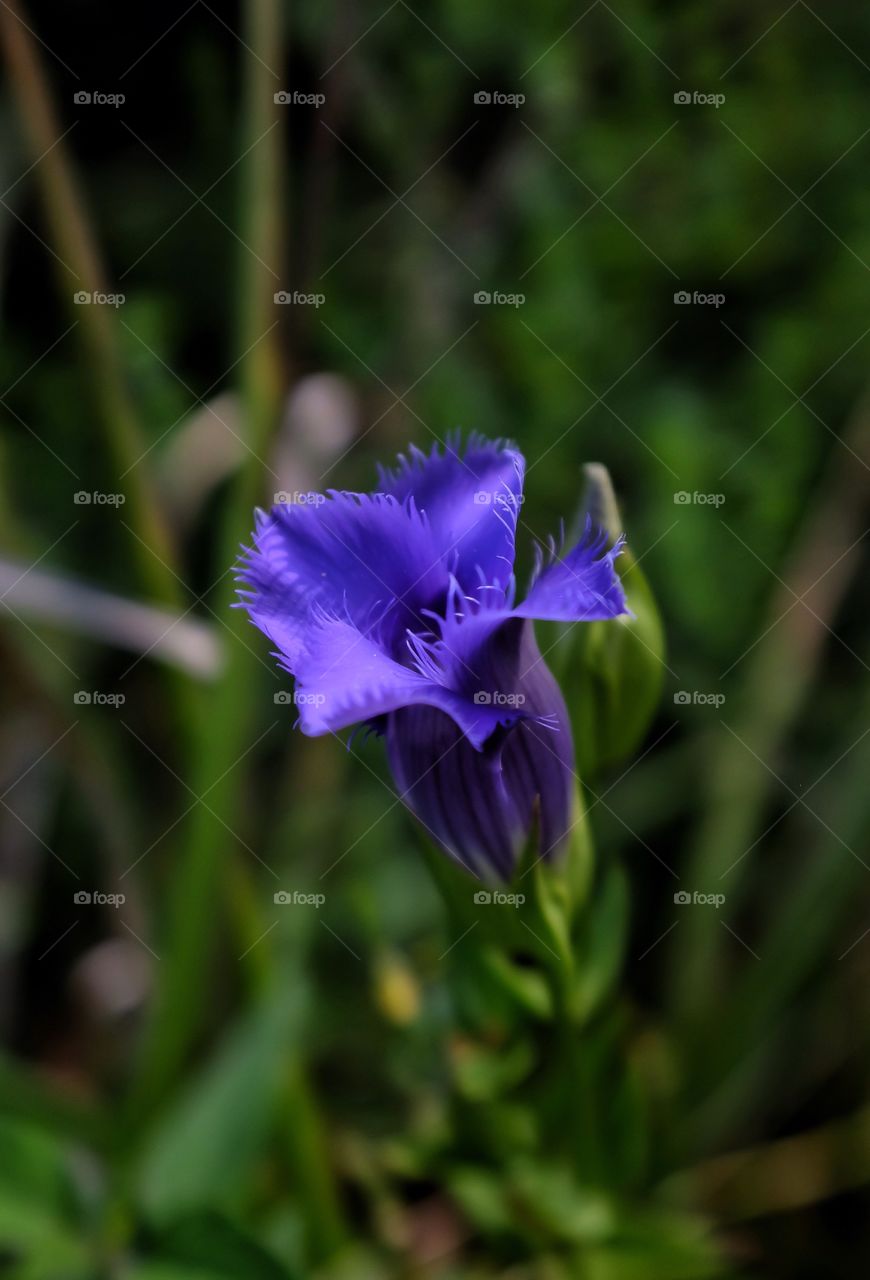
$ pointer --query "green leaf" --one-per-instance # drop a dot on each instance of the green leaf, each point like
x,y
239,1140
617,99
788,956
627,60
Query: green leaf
x,y
483,1073
35,1244
600,943
651,1245
561,1210
35,1165
482,1197
210,1244
160,1269
42,1211
203,1153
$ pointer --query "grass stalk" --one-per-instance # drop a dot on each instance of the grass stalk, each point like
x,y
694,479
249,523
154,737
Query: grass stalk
x,y
80,267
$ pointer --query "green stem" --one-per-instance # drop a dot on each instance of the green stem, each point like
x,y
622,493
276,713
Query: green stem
x,y
309,1162
80,267
229,731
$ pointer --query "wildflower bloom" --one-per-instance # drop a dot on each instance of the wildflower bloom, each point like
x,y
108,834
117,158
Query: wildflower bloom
x,y
397,609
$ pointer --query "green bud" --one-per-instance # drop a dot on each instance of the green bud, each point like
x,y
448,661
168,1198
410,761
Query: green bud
x,y
611,671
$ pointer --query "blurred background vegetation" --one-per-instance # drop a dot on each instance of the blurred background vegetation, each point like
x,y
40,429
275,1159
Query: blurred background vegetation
x,y
199,1081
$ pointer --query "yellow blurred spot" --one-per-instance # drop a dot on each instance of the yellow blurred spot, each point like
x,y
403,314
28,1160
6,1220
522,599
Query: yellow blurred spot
x,y
396,990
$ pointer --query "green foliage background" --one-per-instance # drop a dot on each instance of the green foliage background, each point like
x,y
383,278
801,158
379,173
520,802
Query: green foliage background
x,y
206,1083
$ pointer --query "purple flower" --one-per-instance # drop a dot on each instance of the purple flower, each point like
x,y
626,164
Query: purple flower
x,y
396,609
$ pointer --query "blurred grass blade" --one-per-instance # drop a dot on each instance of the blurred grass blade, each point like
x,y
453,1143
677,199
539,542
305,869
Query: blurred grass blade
x,y
205,1149
200,455
227,733
781,669
80,267
824,886
184,642
783,1176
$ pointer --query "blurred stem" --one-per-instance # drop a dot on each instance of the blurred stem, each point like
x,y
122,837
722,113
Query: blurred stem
x,y
80,267
823,886
781,668
781,1177
228,733
308,1159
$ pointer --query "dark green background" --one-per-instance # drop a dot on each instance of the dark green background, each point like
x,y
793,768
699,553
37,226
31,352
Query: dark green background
x,y
597,199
